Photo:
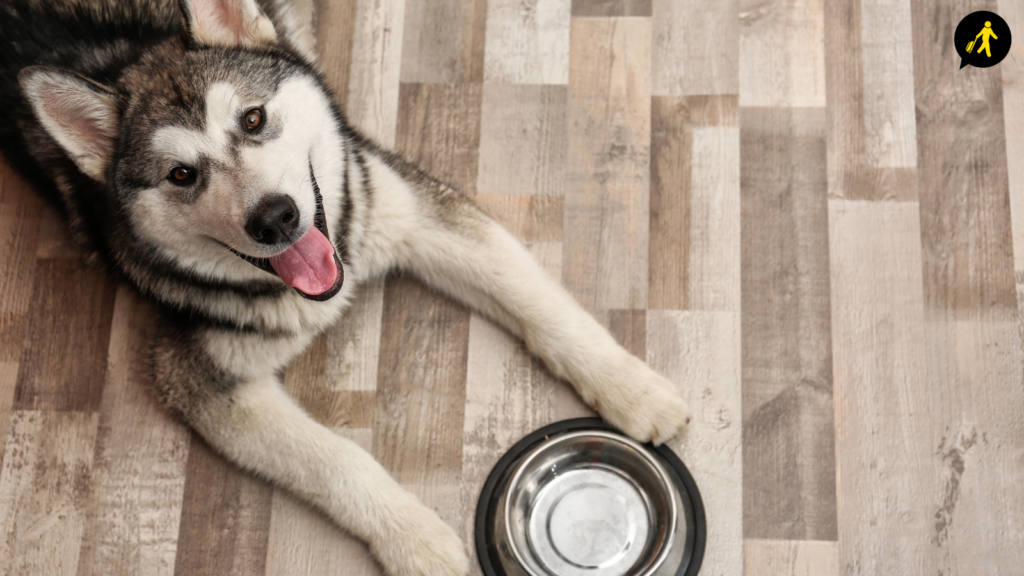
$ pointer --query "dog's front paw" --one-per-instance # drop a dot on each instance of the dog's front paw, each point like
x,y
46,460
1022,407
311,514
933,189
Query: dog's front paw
x,y
643,404
422,545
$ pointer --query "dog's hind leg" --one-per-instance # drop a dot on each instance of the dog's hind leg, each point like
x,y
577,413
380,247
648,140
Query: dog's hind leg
x,y
442,237
252,422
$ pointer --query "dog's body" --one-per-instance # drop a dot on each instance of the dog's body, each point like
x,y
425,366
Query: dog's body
x,y
197,154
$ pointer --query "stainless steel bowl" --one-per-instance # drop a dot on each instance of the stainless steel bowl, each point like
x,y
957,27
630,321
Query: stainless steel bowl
x,y
579,499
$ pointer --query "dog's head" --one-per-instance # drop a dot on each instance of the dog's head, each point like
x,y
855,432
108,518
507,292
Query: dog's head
x,y
215,145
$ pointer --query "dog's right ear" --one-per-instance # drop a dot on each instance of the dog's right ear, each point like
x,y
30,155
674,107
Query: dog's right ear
x,y
227,23
81,115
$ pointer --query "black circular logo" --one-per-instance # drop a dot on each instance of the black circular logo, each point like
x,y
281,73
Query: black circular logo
x,y
982,39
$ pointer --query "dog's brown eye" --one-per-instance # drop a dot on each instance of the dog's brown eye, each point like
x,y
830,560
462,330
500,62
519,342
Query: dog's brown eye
x,y
253,119
182,175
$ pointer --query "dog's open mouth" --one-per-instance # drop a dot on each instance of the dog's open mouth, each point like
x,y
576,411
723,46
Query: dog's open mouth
x,y
310,265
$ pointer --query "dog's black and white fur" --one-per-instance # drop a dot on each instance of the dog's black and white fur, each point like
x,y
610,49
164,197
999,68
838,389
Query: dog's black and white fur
x,y
133,118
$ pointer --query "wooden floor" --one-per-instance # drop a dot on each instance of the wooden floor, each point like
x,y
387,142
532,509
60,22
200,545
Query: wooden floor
x,y
801,212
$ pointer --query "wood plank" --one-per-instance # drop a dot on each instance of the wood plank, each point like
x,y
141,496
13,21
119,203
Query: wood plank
x,y
63,362
225,517
850,174
887,46
927,412
527,42
1013,117
421,388
335,31
884,473
531,219
375,69
607,199
782,54
790,558
353,344
304,541
714,276
44,490
699,351
611,7
962,169
443,41
670,219
788,457
138,477
692,31
975,429
523,140
439,130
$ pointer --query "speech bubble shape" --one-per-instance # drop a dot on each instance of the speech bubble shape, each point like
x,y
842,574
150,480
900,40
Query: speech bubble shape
x,y
982,39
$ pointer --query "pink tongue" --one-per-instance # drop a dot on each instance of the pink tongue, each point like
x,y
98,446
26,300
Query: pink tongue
x,y
308,264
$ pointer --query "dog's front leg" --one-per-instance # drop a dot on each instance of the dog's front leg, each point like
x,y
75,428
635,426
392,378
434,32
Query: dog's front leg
x,y
250,420
456,248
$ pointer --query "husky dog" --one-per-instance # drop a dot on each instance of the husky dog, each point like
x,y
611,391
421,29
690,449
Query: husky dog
x,y
197,154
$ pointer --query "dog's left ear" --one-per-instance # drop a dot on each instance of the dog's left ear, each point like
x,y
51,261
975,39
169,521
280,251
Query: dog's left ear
x,y
81,115
227,23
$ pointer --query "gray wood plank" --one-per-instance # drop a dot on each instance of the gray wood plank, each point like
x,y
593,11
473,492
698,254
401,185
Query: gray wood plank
x,y
335,31
138,478
611,7
788,456
443,41
607,198
375,69
523,139
962,170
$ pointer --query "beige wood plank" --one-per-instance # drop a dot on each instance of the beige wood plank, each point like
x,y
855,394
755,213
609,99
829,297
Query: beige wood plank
x,y
44,490
1012,69
962,169
714,275
611,7
63,362
375,69
850,174
888,55
927,412
304,541
700,352
439,130
225,517
523,139
782,54
788,455
443,41
607,198
975,429
138,477
885,472
335,31
527,42
696,47
790,558
353,344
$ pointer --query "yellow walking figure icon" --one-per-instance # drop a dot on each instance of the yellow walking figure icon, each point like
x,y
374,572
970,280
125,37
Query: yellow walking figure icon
x,y
985,34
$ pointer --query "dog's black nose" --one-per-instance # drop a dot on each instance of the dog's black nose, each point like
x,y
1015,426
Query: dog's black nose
x,y
273,220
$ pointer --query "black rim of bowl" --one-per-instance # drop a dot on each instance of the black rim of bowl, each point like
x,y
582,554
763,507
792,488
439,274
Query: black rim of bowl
x,y
484,530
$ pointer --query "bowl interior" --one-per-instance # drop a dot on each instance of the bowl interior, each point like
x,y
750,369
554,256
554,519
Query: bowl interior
x,y
589,503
